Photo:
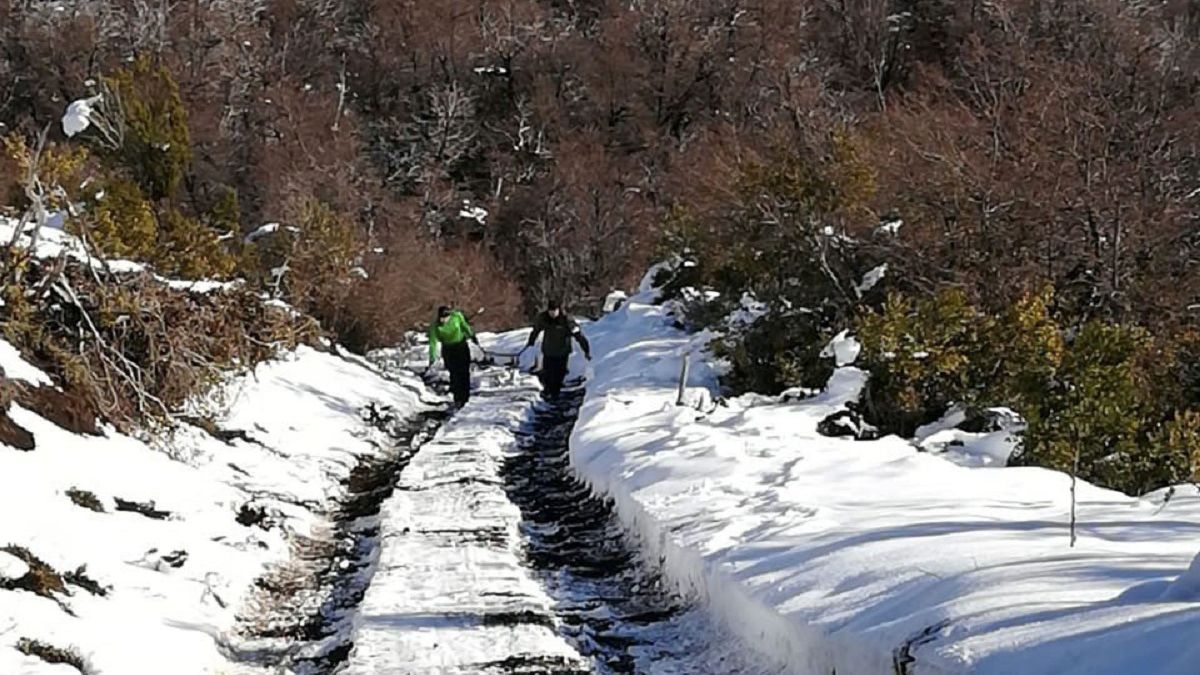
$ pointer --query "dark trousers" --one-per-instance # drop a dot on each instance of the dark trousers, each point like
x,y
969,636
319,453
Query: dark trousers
x,y
554,371
457,358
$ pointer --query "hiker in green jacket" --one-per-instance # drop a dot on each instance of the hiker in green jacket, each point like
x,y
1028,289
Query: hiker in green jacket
x,y
559,330
452,331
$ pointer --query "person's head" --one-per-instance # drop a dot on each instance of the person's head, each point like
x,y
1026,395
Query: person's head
x,y
554,308
443,314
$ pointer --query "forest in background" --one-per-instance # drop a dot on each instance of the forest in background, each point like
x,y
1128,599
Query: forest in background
x,y
1027,170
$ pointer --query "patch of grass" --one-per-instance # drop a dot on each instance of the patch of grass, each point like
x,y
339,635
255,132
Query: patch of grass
x,y
80,579
85,499
51,654
253,515
146,509
41,579
14,435
69,409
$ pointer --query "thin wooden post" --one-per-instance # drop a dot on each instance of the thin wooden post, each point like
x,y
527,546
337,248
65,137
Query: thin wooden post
x,y
683,377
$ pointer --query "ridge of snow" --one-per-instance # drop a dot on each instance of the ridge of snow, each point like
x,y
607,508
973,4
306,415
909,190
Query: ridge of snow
x,y
830,553
1187,587
614,300
260,232
749,310
647,283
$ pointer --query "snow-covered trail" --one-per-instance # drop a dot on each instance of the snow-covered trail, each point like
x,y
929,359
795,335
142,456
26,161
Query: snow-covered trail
x,y
450,593
495,559
300,618
615,606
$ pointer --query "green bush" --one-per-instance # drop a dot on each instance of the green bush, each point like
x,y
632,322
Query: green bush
x,y
1022,355
775,353
156,145
225,215
317,250
1117,402
59,168
1092,407
120,223
1119,397
778,235
920,355
190,249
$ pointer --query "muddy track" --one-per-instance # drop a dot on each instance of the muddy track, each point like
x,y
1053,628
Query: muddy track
x,y
304,606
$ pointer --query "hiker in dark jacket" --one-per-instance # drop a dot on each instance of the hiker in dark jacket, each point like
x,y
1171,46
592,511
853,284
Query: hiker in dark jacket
x,y
559,329
452,332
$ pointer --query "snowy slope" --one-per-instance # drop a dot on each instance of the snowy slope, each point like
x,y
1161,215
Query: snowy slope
x,y
176,585
868,557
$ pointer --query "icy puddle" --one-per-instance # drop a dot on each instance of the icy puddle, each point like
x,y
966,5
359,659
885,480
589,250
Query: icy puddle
x,y
495,560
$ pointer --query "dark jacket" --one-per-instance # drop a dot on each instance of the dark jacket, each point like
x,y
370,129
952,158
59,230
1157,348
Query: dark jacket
x,y
559,331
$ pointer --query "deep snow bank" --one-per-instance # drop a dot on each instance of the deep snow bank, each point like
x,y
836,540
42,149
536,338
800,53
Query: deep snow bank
x,y
864,557
176,585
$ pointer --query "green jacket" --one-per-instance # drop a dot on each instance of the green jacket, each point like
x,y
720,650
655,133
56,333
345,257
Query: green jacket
x,y
455,330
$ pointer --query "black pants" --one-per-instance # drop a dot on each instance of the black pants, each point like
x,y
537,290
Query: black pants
x,y
457,358
554,371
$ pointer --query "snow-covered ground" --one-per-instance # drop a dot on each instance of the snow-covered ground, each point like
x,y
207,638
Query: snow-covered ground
x,y
176,585
450,593
866,557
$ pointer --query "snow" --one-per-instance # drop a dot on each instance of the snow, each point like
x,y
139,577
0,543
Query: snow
x,y
891,227
843,349
12,567
647,283
614,300
870,279
1187,587
450,569
79,116
15,367
260,232
990,448
749,310
302,412
835,554
476,213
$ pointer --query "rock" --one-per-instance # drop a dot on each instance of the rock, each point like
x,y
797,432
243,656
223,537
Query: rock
x,y
847,424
